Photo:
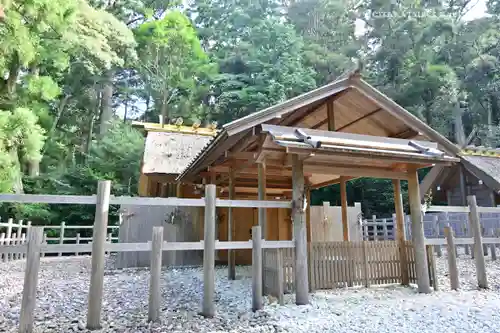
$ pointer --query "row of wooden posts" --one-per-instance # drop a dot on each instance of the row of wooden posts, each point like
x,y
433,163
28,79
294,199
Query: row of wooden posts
x,y
35,247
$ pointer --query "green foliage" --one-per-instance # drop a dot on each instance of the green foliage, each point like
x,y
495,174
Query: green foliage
x,y
21,140
172,64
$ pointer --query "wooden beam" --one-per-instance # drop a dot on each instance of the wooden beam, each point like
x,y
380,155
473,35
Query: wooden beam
x,y
262,196
359,119
406,134
400,231
299,233
343,201
369,154
330,114
417,234
328,169
331,182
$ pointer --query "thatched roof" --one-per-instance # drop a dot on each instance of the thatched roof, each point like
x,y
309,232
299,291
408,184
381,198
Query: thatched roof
x,y
483,163
171,153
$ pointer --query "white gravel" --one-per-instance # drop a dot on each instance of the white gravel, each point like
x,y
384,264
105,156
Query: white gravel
x,y
63,286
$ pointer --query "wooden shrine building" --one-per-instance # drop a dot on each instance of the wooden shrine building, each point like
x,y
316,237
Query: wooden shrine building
x,y
478,173
343,130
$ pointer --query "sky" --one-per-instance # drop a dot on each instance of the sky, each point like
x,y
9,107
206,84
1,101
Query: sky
x,y
477,10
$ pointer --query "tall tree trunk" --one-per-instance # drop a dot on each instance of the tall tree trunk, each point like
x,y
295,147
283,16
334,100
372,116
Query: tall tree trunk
x,y
106,104
17,186
14,70
164,110
459,126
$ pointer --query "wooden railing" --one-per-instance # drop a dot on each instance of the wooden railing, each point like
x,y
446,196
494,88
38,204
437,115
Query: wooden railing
x,y
16,234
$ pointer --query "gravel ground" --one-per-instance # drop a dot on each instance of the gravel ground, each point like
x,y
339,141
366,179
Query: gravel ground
x,y
63,286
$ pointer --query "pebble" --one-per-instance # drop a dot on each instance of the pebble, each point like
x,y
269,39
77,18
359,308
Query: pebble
x,y
63,287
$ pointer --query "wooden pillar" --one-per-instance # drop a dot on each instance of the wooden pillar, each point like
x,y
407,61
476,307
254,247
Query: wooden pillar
x,y
417,234
98,243
343,201
330,114
256,268
155,274
308,214
231,273
299,231
208,308
463,186
178,190
400,231
262,196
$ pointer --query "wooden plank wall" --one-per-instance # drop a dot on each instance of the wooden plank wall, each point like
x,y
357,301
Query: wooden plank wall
x,y
137,227
279,227
347,264
330,230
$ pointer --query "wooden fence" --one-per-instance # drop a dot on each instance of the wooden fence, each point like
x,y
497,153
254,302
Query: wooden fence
x,y
34,247
19,236
344,264
366,263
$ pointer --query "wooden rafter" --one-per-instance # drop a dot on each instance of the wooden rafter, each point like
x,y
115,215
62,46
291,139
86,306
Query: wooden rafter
x,y
369,114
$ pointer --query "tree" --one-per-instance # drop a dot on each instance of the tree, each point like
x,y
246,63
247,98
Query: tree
x,y
260,57
172,63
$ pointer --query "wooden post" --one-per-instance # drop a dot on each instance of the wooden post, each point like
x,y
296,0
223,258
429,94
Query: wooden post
x,y
343,201
326,224
155,271
110,241
452,258
231,263
280,276
262,196
44,242
374,228
299,228
482,280
18,238
417,234
384,228
61,235
10,224
439,253
466,246
3,256
208,307
23,241
77,243
432,266
256,268
485,247
400,231
366,269
493,247
98,242
30,281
